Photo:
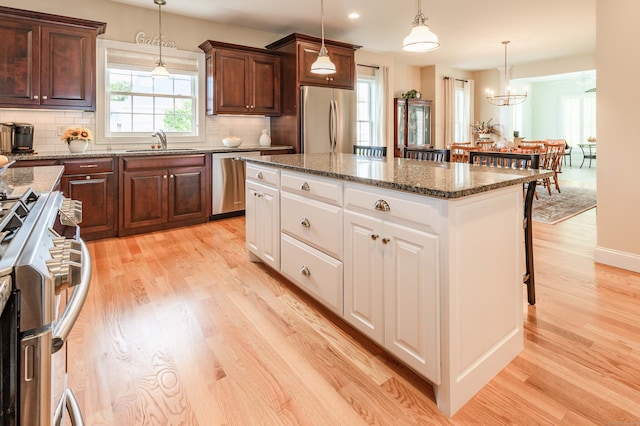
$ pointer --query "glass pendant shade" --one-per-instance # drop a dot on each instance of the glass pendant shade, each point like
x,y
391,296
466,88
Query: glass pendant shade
x,y
420,39
160,70
323,64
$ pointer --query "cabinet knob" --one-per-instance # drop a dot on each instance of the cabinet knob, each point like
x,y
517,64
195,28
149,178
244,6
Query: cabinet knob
x,y
259,175
382,205
45,98
305,187
247,106
385,240
164,176
375,236
305,271
87,177
35,97
171,176
305,222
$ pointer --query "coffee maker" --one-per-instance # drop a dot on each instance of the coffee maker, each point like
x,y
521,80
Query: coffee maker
x,y
16,138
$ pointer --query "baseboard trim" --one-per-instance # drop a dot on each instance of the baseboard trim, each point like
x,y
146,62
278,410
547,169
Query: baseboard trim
x,y
619,259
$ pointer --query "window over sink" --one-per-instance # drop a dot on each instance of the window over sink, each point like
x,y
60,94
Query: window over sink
x,y
134,104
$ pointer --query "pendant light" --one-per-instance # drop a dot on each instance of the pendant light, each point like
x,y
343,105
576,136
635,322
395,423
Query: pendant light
x,y
323,64
160,70
420,39
509,97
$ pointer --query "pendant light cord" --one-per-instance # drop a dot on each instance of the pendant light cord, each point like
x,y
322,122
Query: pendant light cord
x,y
160,29
322,21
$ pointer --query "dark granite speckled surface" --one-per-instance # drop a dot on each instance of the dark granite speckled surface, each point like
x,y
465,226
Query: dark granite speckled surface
x,y
440,180
140,152
16,181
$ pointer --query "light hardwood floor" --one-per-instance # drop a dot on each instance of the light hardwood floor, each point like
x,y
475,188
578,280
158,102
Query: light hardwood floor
x,y
180,329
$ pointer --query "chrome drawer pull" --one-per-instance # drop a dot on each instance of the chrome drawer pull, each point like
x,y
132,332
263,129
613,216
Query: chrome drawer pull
x,y
305,187
305,271
305,222
259,175
382,205
375,236
88,166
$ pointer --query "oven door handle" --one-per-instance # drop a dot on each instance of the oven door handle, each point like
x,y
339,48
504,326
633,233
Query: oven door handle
x,y
76,302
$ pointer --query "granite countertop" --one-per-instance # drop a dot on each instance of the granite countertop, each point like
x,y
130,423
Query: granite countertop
x,y
42,179
440,180
92,153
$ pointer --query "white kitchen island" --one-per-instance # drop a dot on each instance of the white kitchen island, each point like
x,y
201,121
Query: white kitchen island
x,y
426,259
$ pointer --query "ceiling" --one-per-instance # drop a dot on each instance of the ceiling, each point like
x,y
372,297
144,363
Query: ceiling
x,y
470,31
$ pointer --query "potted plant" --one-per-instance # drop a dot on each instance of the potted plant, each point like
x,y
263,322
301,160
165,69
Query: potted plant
x,y
77,138
484,130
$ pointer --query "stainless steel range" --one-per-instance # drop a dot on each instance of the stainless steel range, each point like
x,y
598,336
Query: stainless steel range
x,y
41,256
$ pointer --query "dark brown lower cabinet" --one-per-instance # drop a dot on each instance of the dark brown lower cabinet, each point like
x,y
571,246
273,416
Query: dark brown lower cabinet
x,y
161,192
93,181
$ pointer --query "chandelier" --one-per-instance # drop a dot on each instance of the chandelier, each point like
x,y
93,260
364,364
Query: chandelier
x,y
509,97
420,39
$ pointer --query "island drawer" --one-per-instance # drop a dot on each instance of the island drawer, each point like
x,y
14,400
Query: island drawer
x,y
313,271
327,190
88,165
314,222
402,207
265,175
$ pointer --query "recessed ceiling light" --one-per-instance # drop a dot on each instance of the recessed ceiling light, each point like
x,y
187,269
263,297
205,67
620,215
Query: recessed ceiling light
x,y
354,15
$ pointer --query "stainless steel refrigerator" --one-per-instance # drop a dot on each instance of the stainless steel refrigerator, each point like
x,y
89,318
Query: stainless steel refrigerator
x,y
328,119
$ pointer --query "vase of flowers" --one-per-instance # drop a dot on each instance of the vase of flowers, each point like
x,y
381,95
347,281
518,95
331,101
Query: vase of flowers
x,y
77,138
484,130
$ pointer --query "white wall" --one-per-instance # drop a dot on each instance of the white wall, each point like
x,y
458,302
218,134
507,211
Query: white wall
x,y
618,176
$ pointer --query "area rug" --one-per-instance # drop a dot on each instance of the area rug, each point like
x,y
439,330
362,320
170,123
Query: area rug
x,y
561,206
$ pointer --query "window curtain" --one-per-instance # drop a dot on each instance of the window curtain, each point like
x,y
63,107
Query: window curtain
x,y
469,117
381,104
449,110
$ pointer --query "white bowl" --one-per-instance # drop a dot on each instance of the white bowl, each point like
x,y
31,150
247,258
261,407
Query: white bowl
x,y
232,142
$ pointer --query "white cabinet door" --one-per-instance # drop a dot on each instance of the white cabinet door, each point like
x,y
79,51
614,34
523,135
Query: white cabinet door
x,y
411,298
262,212
363,274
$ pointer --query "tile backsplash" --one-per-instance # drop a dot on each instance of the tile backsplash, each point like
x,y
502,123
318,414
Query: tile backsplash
x,y
49,125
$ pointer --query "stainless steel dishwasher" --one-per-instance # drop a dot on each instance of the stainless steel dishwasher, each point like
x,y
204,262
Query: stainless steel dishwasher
x,y
228,175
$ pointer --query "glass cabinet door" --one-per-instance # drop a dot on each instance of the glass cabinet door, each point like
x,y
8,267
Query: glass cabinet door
x,y
412,119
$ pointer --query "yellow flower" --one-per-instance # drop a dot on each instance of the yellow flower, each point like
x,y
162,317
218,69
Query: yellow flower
x,y
79,133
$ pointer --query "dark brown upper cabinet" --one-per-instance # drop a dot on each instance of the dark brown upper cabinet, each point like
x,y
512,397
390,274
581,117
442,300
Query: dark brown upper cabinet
x,y
47,61
241,80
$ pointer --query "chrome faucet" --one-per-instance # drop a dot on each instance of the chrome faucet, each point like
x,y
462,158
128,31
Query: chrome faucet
x,y
162,136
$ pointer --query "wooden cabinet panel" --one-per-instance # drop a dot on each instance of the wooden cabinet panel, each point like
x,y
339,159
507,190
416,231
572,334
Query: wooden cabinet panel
x,y
241,80
343,59
47,61
144,198
160,192
97,192
68,63
19,63
187,196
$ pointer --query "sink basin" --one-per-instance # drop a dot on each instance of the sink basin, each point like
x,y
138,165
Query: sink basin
x,y
159,150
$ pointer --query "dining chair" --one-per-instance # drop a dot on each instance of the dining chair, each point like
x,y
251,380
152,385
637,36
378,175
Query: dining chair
x,y
459,153
567,150
370,151
553,161
430,154
517,161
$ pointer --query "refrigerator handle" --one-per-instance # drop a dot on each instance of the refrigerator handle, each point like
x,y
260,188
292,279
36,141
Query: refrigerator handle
x,y
333,121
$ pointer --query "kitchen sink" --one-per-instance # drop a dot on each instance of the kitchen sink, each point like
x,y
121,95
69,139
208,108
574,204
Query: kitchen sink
x,y
159,150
